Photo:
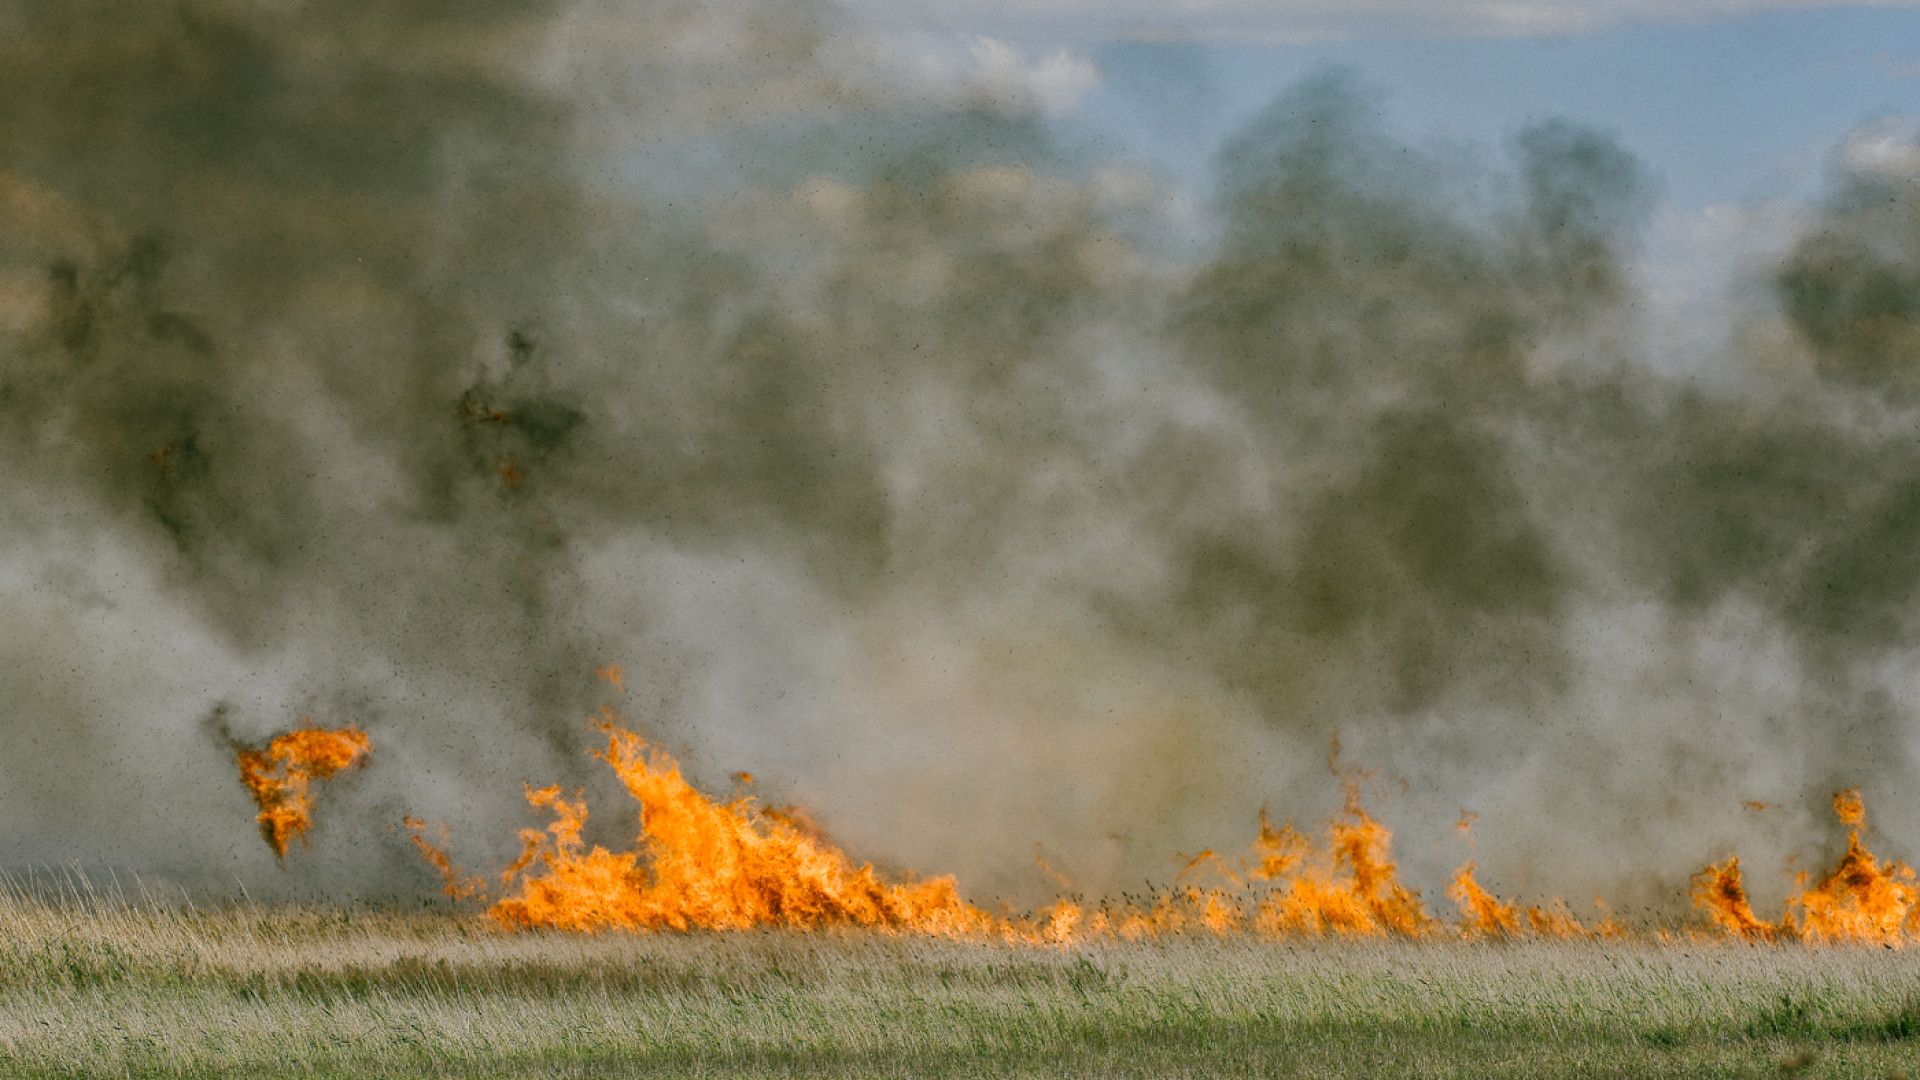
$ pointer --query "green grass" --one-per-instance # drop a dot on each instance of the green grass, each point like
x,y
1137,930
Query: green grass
x,y
90,987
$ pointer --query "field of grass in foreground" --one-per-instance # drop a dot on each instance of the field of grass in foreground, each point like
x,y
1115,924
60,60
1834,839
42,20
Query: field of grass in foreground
x,y
94,988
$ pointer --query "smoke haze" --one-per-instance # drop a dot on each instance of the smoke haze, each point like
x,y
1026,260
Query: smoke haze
x,y
402,363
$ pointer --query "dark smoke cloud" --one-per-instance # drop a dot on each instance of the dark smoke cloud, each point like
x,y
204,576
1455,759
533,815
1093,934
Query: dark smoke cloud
x,y
306,327
403,363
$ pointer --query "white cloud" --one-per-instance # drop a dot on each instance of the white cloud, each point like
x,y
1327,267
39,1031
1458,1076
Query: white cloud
x,y
1302,20
1057,82
980,67
1883,150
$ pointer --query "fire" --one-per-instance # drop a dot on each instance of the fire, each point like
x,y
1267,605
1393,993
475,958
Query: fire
x,y
1347,884
1351,886
1720,892
455,884
1484,912
1485,915
1557,920
279,776
1860,900
702,863
1850,809
705,864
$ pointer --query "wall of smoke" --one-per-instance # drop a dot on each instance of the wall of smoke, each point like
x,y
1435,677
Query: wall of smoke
x,y
403,362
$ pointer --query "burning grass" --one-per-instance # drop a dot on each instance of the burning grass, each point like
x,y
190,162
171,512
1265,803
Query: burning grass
x,y
91,985
711,865
732,939
699,863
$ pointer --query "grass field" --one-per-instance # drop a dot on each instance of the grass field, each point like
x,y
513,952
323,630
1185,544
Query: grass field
x,y
91,987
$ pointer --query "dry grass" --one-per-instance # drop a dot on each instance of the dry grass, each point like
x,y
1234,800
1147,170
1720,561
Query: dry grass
x,y
90,986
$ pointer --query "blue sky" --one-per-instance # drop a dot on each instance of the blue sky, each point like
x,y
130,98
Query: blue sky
x,y
1725,107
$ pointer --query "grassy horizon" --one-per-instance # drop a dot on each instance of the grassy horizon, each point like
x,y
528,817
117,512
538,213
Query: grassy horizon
x,y
94,986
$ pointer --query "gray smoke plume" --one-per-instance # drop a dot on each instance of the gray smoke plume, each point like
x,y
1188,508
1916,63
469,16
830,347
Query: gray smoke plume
x,y
403,363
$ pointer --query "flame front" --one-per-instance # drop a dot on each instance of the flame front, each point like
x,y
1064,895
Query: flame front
x,y
1346,885
1721,893
1860,900
1350,887
279,777
1485,913
706,864
699,863
702,863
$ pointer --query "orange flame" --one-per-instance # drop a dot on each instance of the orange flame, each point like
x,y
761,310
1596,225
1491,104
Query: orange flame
x,y
1850,808
278,777
1485,915
1719,892
1557,920
1286,885
701,863
453,883
1860,900
1484,912
709,865
1351,887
